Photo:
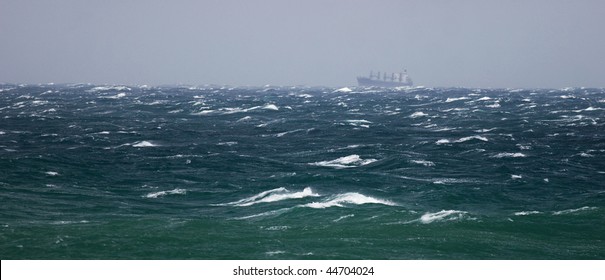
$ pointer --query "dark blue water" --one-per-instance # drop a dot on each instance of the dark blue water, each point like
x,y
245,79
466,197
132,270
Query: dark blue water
x,y
119,172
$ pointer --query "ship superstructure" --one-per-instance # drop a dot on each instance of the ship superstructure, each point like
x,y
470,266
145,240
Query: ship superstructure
x,y
386,80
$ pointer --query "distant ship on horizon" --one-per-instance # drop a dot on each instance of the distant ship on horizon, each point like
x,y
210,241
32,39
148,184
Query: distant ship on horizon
x,y
394,80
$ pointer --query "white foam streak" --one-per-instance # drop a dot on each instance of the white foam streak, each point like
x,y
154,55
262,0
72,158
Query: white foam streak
x,y
144,144
463,139
526,213
569,211
341,200
442,215
424,162
345,162
163,193
230,110
274,195
509,155
418,115
344,90
450,99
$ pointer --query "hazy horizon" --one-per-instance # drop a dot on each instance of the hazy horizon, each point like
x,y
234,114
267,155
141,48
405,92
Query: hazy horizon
x,y
480,44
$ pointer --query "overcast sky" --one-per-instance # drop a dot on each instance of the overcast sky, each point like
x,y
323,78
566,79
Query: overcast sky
x,y
472,43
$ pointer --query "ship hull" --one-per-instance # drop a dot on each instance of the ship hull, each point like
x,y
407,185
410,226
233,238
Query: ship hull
x,y
367,82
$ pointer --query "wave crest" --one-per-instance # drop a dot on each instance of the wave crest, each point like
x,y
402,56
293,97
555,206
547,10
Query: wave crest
x,y
341,200
345,162
273,195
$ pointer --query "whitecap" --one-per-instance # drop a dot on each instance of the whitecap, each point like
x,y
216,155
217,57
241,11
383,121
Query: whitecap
x,y
108,88
271,107
344,89
275,228
144,144
343,217
345,162
229,143
265,214
485,130
476,137
288,132
509,155
117,96
358,122
526,213
588,109
569,211
463,139
424,162
514,177
273,195
418,115
52,173
246,118
340,200
163,193
271,253
452,99
442,215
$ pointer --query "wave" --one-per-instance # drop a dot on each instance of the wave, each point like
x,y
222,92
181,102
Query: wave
x,y
418,115
144,144
569,211
340,200
343,217
509,155
360,123
424,162
163,193
344,89
233,110
265,214
109,88
273,195
526,213
345,162
463,139
447,215
452,99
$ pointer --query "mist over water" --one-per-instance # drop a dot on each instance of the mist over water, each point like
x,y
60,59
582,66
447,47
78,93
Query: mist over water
x,y
106,172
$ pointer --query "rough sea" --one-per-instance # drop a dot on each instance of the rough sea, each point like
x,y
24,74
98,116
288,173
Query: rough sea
x,y
129,172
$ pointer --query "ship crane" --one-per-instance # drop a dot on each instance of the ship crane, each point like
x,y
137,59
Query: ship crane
x,y
380,79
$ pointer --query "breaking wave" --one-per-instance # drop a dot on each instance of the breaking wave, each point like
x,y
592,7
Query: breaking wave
x,y
163,193
443,215
340,200
345,162
273,195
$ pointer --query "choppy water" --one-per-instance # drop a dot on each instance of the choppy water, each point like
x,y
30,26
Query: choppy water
x,y
301,173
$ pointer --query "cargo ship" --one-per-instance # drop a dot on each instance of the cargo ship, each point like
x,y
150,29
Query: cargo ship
x,y
400,79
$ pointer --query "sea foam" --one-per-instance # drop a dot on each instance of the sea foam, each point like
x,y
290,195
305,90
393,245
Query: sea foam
x,y
462,140
340,200
163,193
509,155
273,195
345,162
569,211
442,216
144,144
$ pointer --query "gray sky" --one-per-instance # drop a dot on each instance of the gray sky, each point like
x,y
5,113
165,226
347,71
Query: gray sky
x,y
468,43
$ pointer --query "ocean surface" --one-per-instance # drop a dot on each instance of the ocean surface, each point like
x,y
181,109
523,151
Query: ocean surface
x,y
128,172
